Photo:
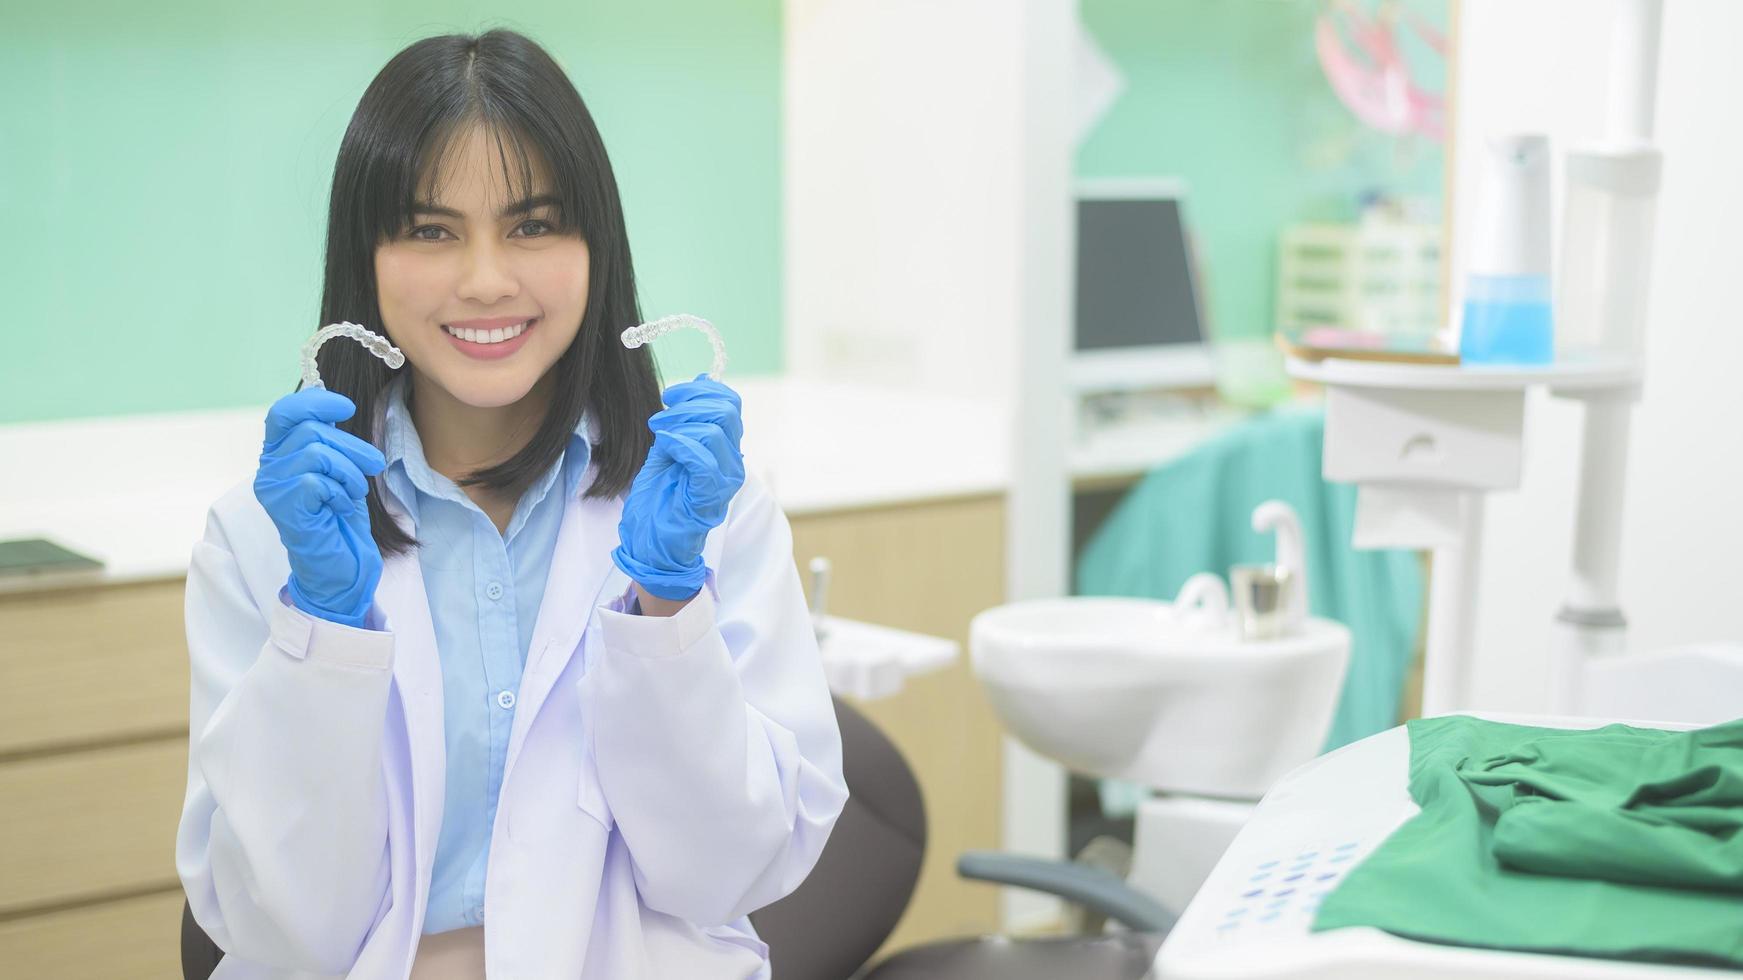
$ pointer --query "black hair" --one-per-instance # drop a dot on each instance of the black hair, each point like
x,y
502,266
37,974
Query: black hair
x,y
426,97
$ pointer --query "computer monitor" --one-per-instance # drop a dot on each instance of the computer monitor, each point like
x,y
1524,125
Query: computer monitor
x,y
1139,314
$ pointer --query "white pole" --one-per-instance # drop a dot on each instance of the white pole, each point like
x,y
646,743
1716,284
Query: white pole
x,y
1598,520
1634,69
1038,508
1452,616
1591,623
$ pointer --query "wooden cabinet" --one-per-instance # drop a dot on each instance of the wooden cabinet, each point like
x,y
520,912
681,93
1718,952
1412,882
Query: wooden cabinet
x,y
92,824
120,938
93,766
90,667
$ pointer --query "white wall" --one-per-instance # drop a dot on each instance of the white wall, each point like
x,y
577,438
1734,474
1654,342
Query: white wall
x,y
928,245
1541,64
902,191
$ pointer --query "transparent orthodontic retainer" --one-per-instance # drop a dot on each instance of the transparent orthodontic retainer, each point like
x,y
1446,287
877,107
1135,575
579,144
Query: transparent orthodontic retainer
x,y
372,342
641,334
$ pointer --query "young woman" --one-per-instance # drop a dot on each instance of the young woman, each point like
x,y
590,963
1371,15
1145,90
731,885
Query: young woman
x,y
498,664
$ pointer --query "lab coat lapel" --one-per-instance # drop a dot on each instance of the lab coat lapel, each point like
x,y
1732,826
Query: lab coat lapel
x,y
417,675
580,568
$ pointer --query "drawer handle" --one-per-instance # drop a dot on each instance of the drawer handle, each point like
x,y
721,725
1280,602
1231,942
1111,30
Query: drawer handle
x,y
1421,449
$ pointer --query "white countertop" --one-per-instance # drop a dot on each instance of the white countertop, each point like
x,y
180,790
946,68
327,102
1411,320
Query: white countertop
x,y
133,491
829,446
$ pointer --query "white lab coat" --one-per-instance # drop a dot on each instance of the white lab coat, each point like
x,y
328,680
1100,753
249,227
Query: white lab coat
x,y
664,777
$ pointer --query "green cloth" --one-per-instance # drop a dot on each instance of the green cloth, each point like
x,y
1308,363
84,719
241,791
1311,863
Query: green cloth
x,y
1616,842
1195,514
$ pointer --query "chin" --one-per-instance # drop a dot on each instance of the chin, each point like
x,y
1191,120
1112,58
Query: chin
x,y
489,392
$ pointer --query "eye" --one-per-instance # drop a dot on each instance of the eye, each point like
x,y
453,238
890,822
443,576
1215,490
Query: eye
x,y
542,228
418,233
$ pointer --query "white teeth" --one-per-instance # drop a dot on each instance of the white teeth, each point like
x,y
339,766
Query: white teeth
x,y
496,336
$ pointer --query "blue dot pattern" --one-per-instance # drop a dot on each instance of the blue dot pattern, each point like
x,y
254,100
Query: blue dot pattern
x,y
1285,891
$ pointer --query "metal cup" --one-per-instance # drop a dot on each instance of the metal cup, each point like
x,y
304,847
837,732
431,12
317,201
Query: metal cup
x,y
1262,600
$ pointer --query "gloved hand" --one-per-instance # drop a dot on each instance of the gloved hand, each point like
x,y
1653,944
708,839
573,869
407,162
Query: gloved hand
x,y
312,483
692,472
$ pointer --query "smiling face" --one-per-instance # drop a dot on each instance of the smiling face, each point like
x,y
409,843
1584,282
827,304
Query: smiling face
x,y
482,290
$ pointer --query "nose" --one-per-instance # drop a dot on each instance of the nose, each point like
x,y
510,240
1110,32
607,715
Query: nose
x,y
487,275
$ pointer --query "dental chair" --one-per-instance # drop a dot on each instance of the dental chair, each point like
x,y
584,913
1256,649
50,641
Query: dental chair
x,y
836,920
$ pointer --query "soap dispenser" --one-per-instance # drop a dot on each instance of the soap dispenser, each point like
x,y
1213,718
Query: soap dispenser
x,y
1506,316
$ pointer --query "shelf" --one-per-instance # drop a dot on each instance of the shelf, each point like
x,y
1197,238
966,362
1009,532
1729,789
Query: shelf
x,y
1577,374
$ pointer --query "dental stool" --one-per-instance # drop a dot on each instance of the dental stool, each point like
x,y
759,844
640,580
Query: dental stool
x,y
847,907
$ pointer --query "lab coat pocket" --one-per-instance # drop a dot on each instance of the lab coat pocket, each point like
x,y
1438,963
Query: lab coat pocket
x,y
591,796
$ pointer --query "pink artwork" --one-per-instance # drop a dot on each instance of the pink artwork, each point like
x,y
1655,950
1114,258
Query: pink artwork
x,y
1366,67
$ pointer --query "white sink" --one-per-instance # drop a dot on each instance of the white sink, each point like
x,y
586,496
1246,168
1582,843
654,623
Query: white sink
x,y
1128,689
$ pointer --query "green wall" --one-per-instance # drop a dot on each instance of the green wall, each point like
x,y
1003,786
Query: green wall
x,y
1228,95
164,171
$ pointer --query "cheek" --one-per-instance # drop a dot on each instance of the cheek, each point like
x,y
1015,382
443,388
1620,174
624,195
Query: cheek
x,y
402,282
558,277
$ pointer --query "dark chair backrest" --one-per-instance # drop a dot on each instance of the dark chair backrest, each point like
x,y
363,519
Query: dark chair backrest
x,y
200,955
844,911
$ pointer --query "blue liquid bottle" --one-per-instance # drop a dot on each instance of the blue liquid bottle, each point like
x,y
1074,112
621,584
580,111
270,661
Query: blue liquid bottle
x,y
1507,293
1507,320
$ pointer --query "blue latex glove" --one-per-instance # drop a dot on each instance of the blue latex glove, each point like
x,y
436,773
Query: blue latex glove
x,y
692,472
312,483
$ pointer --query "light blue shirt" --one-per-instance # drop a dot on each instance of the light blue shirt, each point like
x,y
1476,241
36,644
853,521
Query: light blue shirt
x,y
484,590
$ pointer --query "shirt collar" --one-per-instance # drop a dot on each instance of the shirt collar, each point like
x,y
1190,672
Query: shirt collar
x,y
409,473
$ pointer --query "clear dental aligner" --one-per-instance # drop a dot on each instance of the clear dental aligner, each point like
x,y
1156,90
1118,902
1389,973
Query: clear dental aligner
x,y
372,342
638,335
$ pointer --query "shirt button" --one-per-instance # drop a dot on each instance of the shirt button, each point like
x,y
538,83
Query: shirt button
x,y
505,698
493,591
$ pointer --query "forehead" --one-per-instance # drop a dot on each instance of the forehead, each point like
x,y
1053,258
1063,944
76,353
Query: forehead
x,y
483,168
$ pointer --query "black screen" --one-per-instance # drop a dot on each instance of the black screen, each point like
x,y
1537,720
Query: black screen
x,y
1134,278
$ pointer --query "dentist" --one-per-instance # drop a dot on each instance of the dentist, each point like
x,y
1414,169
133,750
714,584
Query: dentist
x,y
500,664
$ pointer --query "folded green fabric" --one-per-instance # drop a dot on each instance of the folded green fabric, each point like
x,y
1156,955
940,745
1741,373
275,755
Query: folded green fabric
x,y
1618,842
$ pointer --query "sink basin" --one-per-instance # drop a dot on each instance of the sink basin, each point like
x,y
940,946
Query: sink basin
x,y
1130,689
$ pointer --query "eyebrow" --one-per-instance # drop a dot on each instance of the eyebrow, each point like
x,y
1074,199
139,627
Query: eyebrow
x,y
519,207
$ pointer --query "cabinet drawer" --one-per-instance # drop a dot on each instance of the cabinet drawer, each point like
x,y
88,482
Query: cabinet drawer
x,y
90,825
134,937
88,666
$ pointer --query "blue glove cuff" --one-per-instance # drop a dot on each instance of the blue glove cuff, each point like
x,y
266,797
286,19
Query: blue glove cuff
x,y
664,583
303,602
